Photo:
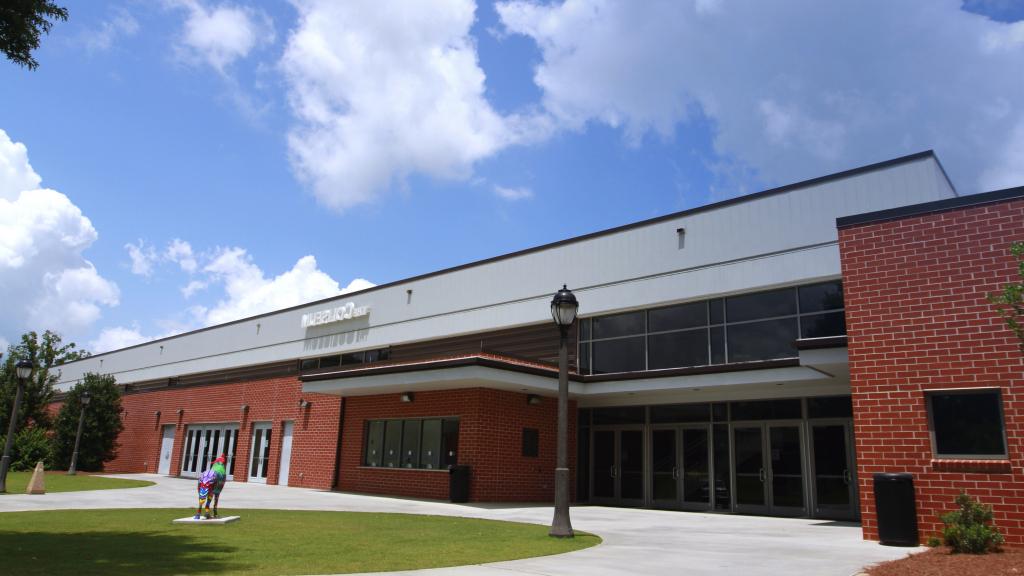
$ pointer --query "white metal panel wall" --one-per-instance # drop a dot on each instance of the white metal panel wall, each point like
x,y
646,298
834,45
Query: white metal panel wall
x,y
779,239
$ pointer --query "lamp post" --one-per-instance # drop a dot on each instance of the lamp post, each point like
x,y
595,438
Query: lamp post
x,y
84,400
563,310
23,369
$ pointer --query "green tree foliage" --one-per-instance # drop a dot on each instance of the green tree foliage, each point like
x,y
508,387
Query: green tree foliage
x,y
22,22
31,445
1010,302
46,353
102,424
969,528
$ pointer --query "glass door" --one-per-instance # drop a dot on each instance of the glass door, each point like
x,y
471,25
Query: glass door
x,y
260,453
696,470
786,467
835,491
204,443
618,467
750,476
769,475
664,468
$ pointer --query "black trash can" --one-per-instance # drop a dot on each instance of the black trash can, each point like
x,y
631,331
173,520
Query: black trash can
x,y
458,483
896,509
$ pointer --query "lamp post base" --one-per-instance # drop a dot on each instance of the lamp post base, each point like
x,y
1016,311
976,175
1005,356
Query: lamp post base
x,y
561,527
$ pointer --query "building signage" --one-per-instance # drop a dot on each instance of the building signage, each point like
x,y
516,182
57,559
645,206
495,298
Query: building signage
x,y
339,314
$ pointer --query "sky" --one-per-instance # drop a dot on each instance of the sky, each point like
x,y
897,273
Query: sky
x,y
176,164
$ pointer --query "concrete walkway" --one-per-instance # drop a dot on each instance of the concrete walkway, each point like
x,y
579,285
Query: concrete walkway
x,y
649,542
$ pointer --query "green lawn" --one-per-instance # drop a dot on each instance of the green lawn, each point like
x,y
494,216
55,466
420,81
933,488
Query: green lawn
x,y
114,542
61,482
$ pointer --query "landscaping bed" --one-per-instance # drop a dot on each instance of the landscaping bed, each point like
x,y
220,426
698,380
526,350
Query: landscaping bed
x,y
940,562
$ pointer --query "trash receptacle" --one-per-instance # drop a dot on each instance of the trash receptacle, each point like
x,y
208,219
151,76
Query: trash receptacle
x,y
896,509
458,483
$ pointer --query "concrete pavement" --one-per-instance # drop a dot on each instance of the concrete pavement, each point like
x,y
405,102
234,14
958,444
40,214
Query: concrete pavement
x,y
635,541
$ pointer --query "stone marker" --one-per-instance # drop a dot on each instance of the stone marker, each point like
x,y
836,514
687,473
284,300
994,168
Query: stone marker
x,y
38,483
191,520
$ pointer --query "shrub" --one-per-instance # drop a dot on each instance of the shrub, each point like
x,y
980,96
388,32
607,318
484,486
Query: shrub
x,y
969,529
934,542
30,446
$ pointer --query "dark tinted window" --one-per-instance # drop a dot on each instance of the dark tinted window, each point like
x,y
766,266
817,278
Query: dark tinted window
x,y
392,444
411,444
330,361
821,325
374,443
309,364
625,355
352,358
760,305
968,424
531,442
720,411
584,358
762,340
619,325
677,317
449,443
585,329
716,311
620,415
681,413
820,297
718,345
766,410
676,349
830,407
430,445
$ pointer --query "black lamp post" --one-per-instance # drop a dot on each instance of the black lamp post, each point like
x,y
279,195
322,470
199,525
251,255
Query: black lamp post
x,y
23,369
563,310
84,400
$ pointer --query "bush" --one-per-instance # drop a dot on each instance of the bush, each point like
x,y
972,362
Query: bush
x,y
934,542
969,529
31,445
102,424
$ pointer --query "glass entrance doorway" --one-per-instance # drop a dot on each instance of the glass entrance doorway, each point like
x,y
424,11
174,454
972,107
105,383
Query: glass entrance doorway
x,y
203,443
260,453
618,459
681,467
832,461
769,469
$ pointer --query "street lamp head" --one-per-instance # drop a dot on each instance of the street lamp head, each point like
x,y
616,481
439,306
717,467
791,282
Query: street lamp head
x,y
24,368
85,397
563,307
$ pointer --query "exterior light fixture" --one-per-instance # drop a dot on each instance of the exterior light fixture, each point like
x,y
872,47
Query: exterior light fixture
x,y
533,399
303,404
563,311
407,397
244,408
23,369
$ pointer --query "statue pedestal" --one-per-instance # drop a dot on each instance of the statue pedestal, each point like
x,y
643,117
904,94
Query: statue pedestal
x,y
37,485
211,521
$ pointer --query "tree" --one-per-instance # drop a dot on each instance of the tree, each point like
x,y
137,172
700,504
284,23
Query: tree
x,y
102,424
1010,302
46,353
21,24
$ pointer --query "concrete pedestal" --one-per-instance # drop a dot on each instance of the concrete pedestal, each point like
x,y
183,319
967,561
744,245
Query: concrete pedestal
x,y
211,521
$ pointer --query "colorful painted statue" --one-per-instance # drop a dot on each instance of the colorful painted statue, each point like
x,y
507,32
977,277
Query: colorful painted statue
x,y
211,483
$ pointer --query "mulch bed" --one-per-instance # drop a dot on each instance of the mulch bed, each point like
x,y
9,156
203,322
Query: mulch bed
x,y
939,562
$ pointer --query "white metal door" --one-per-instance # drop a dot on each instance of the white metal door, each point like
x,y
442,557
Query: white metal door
x,y
166,447
204,443
286,454
259,453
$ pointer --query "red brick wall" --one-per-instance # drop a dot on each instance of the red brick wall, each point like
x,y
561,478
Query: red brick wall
x,y
275,400
490,442
917,319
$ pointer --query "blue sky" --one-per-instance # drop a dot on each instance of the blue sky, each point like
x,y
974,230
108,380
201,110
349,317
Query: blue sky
x,y
200,152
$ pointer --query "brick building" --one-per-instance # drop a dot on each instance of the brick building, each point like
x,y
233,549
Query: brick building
x,y
710,366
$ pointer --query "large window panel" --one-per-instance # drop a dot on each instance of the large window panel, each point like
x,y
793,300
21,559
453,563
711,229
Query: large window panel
x,y
677,349
822,325
693,315
821,297
449,443
760,305
622,355
764,340
619,325
411,444
392,444
430,447
967,424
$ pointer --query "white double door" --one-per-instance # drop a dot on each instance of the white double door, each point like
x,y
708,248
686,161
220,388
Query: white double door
x,y
259,453
203,443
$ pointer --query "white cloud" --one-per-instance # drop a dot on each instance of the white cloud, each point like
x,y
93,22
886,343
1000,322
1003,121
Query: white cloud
x,y
249,292
142,258
793,89
46,282
220,35
1007,171
180,252
120,24
193,287
116,338
383,91
513,194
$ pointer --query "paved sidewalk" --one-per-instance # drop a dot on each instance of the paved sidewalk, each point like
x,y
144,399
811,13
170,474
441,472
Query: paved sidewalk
x,y
649,542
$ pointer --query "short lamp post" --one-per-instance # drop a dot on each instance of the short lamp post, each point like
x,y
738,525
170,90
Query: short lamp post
x,y
23,369
563,310
84,399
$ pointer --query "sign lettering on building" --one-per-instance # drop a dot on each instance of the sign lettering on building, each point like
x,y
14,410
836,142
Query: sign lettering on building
x,y
341,313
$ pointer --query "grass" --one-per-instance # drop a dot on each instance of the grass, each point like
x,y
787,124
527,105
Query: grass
x,y
122,542
60,482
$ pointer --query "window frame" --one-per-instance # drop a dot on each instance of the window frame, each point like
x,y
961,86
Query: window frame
x,y
364,462
997,391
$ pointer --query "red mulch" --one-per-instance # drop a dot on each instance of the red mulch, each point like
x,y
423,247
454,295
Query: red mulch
x,y
939,562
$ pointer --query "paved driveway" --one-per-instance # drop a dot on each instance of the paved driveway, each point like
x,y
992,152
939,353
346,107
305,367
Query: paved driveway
x,y
635,541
